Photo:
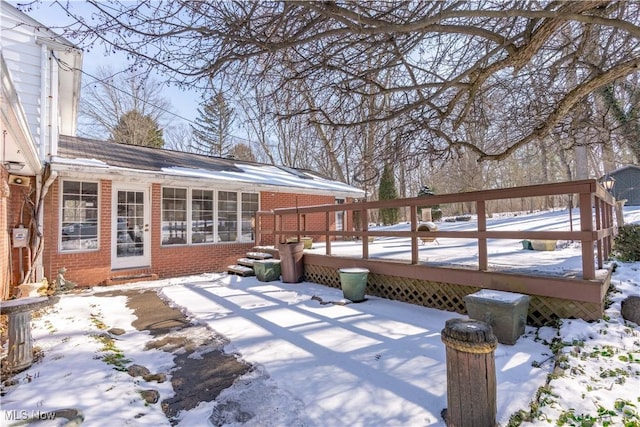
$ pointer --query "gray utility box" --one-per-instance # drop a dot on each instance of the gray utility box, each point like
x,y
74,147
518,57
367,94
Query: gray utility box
x,y
506,312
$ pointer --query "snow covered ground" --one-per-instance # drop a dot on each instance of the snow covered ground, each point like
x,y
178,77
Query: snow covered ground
x,y
375,363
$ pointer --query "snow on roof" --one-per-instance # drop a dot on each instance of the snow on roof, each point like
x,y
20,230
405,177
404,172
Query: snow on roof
x,y
83,154
265,175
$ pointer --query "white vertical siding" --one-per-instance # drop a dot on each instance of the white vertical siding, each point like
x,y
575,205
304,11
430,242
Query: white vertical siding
x,y
22,56
26,47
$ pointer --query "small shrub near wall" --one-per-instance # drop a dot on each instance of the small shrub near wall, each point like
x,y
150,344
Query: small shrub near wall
x,y
627,243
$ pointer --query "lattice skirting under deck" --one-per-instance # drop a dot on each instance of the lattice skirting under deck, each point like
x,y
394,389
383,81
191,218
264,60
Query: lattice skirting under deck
x,y
449,297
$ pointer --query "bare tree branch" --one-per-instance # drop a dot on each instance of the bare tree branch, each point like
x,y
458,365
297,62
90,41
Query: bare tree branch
x,y
432,65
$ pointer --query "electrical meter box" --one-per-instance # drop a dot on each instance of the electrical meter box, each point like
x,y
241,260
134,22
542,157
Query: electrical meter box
x,y
20,237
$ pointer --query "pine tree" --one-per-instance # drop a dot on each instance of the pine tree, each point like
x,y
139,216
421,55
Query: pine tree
x,y
134,128
436,212
212,127
387,191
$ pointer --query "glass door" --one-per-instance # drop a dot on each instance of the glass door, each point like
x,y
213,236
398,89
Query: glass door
x,y
131,240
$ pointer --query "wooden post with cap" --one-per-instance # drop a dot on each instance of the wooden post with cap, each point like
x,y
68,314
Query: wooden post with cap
x,y
471,373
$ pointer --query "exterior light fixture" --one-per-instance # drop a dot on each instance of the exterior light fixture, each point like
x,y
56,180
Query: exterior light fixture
x,y
608,182
14,166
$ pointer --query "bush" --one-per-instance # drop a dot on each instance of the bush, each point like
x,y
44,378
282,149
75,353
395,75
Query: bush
x,y
626,246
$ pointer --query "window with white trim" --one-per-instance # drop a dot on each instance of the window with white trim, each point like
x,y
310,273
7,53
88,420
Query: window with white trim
x,y
174,216
202,216
227,216
198,216
250,205
79,216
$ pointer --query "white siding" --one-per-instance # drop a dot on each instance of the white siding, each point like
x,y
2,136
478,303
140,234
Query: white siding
x,y
26,47
22,56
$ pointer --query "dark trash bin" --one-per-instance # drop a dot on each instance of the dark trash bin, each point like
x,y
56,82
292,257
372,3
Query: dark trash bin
x,y
291,267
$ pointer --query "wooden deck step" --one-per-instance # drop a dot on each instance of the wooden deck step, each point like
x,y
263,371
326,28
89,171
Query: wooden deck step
x,y
131,278
240,270
259,255
246,262
268,249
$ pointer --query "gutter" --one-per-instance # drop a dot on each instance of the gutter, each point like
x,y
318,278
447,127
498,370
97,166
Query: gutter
x,y
93,172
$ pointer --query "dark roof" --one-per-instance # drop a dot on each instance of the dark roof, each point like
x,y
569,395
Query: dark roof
x,y
106,156
138,157
624,168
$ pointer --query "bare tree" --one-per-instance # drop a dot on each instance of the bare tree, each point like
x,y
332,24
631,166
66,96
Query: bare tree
x,y
113,94
179,137
243,152
439,56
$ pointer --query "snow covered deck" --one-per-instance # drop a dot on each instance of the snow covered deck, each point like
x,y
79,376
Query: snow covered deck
x,y
504,255
486,252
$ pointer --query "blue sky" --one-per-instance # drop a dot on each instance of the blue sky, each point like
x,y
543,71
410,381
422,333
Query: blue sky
x,y
184,104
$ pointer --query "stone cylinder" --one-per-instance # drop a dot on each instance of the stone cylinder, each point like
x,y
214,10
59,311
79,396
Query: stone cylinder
x,y
20,343
471,373
19,340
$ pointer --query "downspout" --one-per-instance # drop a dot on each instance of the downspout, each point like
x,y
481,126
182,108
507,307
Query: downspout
x,y
54,114
43,101
48,128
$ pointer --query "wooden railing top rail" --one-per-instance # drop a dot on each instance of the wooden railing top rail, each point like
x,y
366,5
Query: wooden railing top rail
x,y
590,186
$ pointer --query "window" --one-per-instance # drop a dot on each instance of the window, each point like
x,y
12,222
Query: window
x,y
205,216
201,216
174,216
227,216
79,225
249,209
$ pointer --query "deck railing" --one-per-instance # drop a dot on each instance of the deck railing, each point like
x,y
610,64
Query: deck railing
x,y
596,207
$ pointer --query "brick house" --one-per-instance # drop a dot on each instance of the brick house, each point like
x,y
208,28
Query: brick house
x,y
118,210
103,210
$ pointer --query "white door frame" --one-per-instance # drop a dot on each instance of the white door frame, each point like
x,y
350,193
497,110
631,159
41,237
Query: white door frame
x,y
129,253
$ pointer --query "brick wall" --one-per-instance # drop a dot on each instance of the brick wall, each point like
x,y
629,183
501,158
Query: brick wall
x,y
93,267
313,222
85,268
18,212
178,260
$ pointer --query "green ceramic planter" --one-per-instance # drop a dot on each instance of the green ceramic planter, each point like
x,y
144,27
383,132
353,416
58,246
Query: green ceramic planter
x,y
267,270
354,283
308,241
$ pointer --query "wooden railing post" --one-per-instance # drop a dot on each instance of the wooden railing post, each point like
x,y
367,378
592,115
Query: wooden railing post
x,y
586,224
471,373
327,237
365,236
257,228
600,221
414,238
483,262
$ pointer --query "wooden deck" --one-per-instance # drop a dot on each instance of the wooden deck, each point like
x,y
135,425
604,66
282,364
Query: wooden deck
x,y
443,287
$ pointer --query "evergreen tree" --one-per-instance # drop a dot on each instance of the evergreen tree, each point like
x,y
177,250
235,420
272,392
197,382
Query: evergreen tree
x,y
212,127
436,212
387,191
135,128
